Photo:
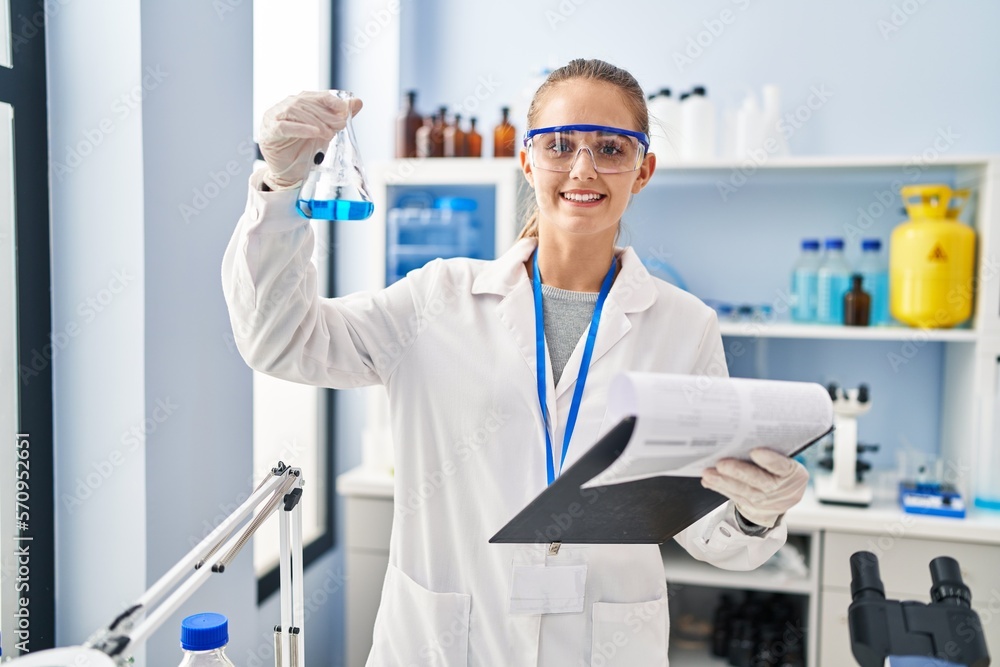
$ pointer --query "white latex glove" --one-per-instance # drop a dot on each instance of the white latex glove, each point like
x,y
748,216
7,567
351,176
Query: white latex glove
x,y
295,130
763,489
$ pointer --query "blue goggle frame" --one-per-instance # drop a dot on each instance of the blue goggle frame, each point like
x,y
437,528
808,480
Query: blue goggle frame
x,y
640,136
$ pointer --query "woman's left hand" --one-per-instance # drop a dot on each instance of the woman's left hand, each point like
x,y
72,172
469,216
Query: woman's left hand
x,y
763,489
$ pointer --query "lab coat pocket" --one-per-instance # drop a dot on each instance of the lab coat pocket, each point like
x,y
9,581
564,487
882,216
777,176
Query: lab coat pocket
x,y
630,633
416,626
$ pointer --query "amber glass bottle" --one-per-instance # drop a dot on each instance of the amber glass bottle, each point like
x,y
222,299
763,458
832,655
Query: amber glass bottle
x,y
407,124
454,139
503,136
474,140
857,304
430,136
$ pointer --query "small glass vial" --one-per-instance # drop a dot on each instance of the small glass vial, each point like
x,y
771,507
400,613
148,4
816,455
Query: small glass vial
x,y
857,304
503,136
204,638
474,140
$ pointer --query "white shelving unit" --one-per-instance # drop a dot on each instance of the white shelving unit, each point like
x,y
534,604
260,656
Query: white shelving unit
x,y
682,569
970,354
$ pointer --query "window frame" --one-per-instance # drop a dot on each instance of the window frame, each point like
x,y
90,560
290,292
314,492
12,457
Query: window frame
x,y
24,87
269,582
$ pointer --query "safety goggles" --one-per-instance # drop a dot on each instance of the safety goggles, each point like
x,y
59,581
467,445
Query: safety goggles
x,y
612,149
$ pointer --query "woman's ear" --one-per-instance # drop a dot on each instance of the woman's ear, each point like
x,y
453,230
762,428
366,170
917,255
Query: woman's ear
x,y
526,169
646,170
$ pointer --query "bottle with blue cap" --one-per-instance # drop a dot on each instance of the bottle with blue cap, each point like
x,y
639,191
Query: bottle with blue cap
x,y
834,280
805,275
204,638
874,270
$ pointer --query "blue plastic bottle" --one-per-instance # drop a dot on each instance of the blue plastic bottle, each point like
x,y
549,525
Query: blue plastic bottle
x,y
833,282
875,279
805,276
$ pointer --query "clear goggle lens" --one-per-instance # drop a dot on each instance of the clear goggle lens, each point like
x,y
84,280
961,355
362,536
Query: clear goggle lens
x,y
612,151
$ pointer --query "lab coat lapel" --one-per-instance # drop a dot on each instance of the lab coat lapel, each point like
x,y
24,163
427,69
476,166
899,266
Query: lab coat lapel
x,y
633,291
507,278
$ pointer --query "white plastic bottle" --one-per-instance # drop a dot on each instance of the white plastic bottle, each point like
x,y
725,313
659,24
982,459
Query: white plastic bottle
x,y
748,127
805,278
875,279
204,638
773,141
698,124
833,282
665,128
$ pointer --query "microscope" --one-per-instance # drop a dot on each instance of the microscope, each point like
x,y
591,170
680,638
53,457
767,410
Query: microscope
x,y
889,633
843,486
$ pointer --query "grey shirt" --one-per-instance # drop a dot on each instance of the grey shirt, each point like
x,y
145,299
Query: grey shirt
x,y
567,318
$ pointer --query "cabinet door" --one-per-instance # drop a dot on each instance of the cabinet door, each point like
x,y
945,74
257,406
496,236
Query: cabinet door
x,y
365,574
835,638
905,563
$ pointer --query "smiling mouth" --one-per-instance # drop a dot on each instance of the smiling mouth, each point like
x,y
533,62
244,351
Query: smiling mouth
x,y
582,198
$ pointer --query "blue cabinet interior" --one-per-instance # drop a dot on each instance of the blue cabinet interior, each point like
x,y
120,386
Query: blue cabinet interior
x,y
419,230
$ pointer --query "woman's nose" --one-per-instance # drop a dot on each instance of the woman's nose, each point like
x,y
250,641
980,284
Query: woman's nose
x,y
583,168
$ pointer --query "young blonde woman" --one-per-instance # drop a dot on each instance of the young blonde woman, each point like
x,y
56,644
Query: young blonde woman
x,y
457,346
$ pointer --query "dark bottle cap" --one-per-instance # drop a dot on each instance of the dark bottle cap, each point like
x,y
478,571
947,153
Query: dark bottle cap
x,y
856,279
665,92
698,90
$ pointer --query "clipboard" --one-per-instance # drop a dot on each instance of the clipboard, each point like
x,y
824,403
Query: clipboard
x,y
645,511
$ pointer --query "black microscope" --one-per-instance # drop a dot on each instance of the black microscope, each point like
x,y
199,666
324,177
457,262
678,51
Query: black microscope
x,y
889,633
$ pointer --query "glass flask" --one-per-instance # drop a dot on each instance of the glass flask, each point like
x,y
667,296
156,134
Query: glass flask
x,y
335,188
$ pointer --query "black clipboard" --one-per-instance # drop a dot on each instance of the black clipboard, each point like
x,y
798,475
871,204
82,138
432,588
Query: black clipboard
x,y
646,511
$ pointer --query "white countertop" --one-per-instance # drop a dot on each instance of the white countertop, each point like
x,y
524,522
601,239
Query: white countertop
x,y
881,518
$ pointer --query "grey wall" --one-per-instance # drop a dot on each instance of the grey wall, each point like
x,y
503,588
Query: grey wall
x,y
151,109
99,373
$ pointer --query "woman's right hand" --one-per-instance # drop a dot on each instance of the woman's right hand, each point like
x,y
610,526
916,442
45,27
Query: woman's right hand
x,y
296,129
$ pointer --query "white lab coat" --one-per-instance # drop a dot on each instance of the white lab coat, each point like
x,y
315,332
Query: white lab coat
x,y
454,345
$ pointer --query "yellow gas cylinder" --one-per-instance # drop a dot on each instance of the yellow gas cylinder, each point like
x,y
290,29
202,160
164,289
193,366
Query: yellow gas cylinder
x,y
932,259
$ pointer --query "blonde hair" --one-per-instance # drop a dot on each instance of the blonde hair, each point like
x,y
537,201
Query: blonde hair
x,y
595,70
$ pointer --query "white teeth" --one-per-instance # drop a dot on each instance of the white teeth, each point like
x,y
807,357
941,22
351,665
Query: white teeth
x,y
581,197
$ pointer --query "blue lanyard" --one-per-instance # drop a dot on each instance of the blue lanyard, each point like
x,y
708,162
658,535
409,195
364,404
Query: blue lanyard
x,y
581,379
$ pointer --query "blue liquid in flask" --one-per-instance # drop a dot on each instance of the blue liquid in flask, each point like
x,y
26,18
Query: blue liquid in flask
x,y
336,209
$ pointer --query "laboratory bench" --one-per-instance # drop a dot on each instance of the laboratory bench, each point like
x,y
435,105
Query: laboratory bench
x,y
825,535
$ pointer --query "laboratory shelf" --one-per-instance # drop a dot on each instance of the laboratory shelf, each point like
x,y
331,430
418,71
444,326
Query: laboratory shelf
x,y
750,329
820,162
680,568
